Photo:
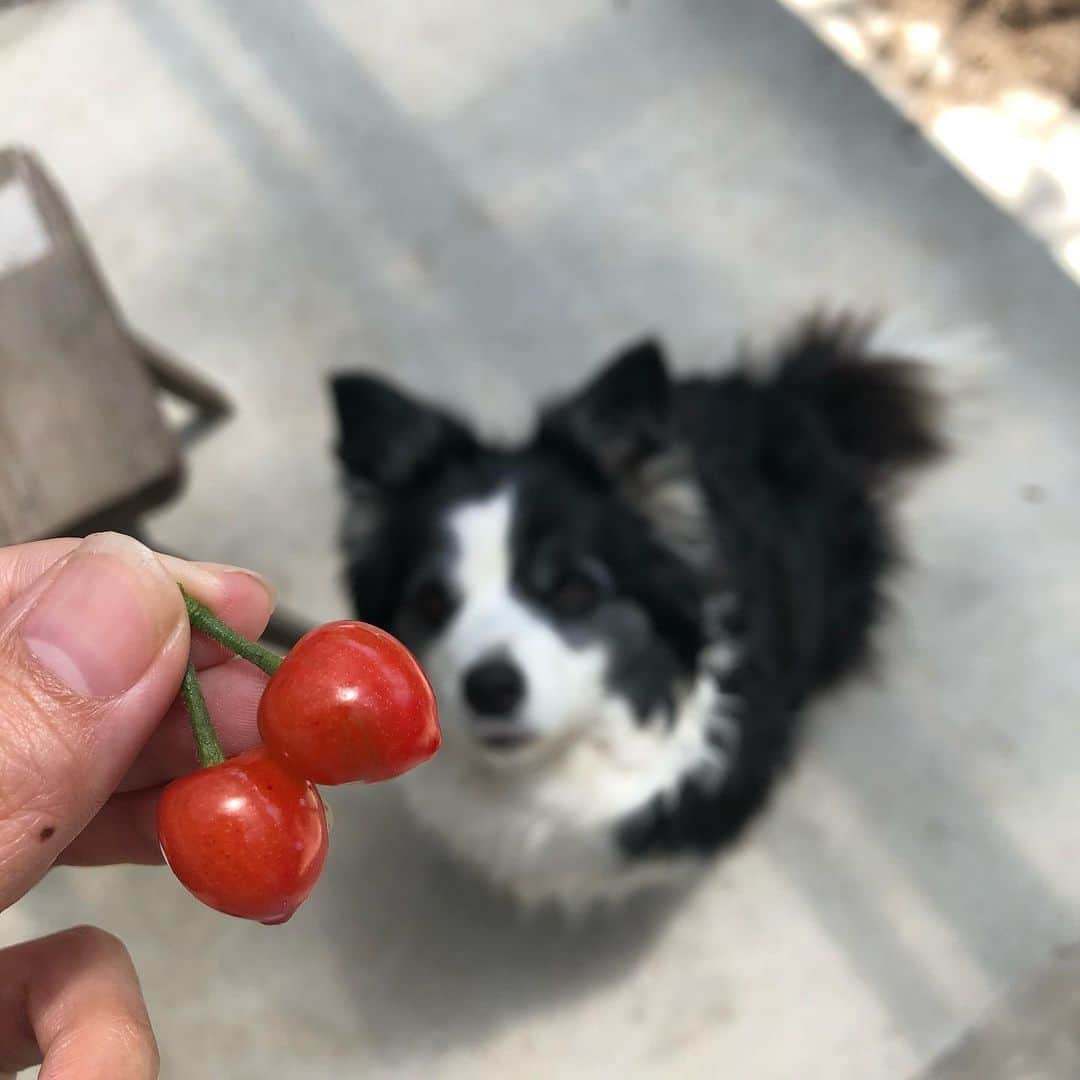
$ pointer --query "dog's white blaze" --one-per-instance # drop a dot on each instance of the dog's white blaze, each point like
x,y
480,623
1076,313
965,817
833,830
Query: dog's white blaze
x,y
564,685
481,531
541,819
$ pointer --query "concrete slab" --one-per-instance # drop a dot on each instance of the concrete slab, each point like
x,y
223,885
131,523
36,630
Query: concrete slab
x,y
1034,1035
483,201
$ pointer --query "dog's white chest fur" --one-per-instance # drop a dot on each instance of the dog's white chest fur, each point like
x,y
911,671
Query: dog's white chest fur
x,y
546,830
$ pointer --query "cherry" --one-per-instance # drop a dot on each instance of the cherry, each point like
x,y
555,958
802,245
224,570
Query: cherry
x,y
246,836
349,702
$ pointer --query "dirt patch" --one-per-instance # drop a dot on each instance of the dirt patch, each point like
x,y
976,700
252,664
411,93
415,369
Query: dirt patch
x,y
998,45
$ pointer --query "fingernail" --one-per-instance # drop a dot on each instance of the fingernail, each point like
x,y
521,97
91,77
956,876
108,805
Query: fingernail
x,y
205,579
104,617
258,578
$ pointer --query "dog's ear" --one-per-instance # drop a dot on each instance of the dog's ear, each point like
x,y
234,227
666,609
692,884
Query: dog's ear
x,y
621,417
389,439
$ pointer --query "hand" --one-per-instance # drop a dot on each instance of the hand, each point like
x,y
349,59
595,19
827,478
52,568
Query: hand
x,y
94,639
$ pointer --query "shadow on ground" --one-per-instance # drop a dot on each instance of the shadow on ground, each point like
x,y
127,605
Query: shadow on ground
x,y
457,957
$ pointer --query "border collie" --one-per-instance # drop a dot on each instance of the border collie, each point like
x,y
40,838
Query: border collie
x,y
624,617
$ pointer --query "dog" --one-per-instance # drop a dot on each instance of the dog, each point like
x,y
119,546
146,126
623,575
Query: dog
x,y
625,616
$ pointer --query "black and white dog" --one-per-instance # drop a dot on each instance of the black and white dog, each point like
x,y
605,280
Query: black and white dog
x,y
624,617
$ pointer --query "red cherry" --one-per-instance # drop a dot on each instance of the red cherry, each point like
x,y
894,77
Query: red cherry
x,y
348,703
246,837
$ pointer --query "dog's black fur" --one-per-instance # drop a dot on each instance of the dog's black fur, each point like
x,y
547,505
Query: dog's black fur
x,y
791,473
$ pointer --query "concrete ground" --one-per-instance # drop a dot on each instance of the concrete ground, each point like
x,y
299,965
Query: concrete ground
x,y
483,198
1034,1034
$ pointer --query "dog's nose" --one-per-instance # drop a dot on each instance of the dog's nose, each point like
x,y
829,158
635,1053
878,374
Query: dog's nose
x,y
494,687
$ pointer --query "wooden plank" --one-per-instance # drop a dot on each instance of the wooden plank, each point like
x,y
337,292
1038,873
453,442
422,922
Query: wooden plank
x,y
81,434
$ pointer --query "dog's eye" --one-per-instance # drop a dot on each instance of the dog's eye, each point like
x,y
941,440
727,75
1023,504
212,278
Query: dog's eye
x,y
578,589
434,602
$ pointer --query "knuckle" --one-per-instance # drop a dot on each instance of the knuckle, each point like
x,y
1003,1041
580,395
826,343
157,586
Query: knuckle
x,y
123,1047
91,942
127,1033
134,1043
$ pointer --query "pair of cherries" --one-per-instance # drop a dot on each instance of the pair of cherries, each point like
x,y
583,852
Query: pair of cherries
x,y
248,836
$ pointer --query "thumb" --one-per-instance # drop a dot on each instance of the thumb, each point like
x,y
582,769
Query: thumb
x,y
90,658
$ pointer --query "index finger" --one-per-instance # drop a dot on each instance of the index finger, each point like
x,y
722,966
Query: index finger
x,y
241,598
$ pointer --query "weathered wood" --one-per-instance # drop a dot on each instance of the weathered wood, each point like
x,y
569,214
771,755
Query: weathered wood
x,y
81,434
170,375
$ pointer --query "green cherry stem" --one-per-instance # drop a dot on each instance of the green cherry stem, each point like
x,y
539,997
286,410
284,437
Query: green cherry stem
x,y
202,618
206,740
